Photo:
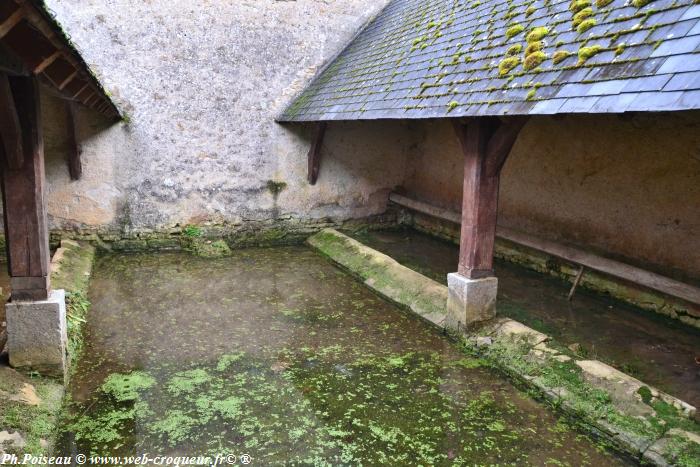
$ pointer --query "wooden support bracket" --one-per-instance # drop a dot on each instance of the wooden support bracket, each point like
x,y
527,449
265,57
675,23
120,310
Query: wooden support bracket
x,y
75,165
314,156
486,143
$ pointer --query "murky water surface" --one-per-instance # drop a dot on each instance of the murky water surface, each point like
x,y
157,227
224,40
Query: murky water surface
x,y
657,350
278,354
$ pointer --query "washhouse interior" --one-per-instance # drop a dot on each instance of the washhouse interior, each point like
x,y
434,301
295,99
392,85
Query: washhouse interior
x,y
312,232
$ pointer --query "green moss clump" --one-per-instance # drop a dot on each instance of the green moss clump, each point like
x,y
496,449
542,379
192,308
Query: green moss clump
x,y
645,394
560,55
534,60
452,105
537,34
586,25
582,15
530,10
508,64
640,3
584,53
533,47
619,49
577,5
514,30
530,95
514,49
602,3
275,187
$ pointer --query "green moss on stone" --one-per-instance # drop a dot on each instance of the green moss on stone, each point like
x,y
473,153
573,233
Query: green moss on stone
x,y
514,30
581,15
534,60
560,55
514,49
586,25
537,34
603,3
452,105
584,53
577,5
507,64
640,3
533,47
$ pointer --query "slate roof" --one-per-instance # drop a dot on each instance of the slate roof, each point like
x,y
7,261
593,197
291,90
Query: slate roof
x,y
451,58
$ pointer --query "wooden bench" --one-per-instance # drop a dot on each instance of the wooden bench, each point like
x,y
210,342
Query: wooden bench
x,y
582,258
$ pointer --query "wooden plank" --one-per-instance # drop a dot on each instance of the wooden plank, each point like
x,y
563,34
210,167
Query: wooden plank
x,y
591,261
314,156
26,229
10,22
10,129
75,166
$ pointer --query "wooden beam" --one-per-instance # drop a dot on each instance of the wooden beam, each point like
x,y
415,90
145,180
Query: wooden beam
x,y
314,156
10,22
485,143
10,130
46,62
75,166
26,230
68,79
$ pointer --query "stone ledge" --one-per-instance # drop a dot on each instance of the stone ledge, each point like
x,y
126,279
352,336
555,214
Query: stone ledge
x,y
628,421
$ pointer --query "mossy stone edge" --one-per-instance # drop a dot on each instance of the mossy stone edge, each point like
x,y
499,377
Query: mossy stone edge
x,y
531,358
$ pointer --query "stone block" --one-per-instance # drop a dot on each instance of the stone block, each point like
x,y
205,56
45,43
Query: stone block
x,y
470,301
37,334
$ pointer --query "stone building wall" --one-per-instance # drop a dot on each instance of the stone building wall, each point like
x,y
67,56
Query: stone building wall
x,y
201,83
628,187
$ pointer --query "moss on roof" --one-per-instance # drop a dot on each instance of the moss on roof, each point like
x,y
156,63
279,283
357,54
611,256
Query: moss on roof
x,y
417,58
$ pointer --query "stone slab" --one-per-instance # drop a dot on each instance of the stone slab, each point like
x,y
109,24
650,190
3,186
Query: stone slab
x,y
37,334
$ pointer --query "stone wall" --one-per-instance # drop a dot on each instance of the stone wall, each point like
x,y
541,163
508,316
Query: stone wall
x,y
201,83
627,187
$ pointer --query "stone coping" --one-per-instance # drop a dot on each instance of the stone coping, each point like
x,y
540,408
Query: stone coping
x,y
638,419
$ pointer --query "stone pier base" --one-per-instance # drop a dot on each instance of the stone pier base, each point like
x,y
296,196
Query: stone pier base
x,y
37,335
470,300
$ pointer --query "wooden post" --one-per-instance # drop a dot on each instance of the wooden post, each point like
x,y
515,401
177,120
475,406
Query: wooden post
x,y
75,165
486,143
314,156
26,230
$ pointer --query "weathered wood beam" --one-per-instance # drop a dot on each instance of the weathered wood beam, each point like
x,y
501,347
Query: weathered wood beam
x,y
41,66
314,156
501,143
10,22
485,143
67,80
26,230
10,130
75,165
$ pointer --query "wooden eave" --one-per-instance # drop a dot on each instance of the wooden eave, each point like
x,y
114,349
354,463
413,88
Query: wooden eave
x,y
32,43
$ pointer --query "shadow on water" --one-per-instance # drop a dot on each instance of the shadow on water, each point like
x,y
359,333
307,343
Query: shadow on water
x,y
653,348
278,354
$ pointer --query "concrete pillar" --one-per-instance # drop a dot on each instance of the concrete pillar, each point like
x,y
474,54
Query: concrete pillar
x,y
37,334
470,300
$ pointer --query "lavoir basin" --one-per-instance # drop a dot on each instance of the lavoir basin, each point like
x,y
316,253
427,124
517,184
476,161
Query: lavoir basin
x,y
277,354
